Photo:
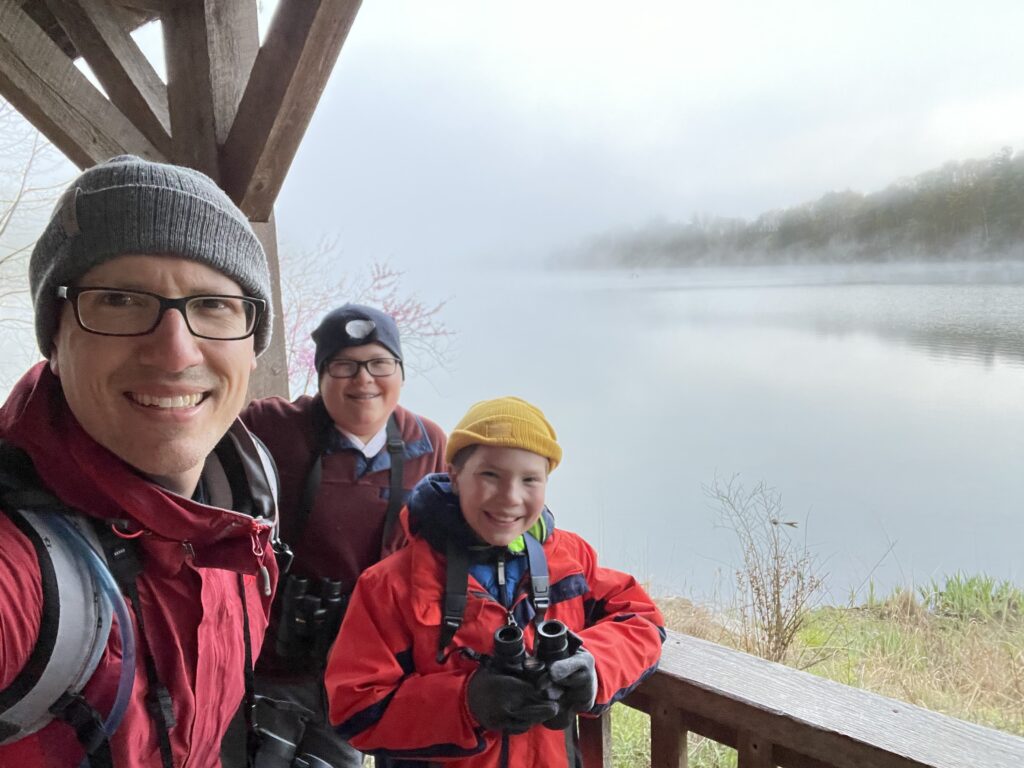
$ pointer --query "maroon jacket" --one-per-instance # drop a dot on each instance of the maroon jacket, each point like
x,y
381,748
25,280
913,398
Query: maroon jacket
x,y
342,535
188,590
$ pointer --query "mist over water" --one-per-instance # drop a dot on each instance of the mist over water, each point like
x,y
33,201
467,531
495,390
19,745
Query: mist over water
x,y
886,404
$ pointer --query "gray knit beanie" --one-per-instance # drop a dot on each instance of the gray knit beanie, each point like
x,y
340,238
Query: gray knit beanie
x,y
128,205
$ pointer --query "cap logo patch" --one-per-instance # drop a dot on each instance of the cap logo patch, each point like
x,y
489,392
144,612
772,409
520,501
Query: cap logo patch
x,y
499,429
359,329
67,212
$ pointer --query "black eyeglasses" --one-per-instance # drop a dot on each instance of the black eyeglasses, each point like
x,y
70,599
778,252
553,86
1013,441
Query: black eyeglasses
x,y
118,312
348,369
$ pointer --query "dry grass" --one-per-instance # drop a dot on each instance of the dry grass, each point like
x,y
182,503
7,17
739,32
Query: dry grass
x,y
970,669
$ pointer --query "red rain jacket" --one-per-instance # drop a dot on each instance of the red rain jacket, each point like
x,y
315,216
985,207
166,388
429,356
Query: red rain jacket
x,y
387,691
188,589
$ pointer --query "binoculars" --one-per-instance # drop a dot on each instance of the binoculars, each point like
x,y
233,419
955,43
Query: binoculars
x,y
310,617
553,641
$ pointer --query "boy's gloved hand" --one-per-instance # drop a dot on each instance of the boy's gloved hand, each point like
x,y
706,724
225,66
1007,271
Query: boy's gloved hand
x,y
578,680
505,703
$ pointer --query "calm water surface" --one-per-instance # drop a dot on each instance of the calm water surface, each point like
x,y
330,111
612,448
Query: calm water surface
x,y
885,404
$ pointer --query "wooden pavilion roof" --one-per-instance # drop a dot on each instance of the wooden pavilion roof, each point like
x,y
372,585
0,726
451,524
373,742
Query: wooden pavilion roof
x,y
231,107
132,14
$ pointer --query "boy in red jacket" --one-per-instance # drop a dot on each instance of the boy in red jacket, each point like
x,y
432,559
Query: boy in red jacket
x,y
412,676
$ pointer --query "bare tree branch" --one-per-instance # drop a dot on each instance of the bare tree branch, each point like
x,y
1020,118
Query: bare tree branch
x,y
307,297
26,159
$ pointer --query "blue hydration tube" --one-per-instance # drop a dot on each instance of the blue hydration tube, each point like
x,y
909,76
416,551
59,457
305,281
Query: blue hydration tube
x,y
113,596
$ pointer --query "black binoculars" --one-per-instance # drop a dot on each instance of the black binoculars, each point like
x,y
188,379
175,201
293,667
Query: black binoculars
x,y
554,641
309,619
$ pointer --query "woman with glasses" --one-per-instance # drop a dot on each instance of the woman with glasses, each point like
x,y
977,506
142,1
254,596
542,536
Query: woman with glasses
x,y
347,458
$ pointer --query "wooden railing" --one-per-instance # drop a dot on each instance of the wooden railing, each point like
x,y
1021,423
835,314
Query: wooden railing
x,y
778,716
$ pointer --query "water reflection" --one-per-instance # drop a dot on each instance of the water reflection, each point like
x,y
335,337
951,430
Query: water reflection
x,y
966,312
889,413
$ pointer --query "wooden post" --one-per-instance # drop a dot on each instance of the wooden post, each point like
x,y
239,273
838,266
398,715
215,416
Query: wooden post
x,y
596,741
668,738
271,374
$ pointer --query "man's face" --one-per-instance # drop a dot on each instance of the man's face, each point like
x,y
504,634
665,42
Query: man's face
x,y
361,405
162,401
501,491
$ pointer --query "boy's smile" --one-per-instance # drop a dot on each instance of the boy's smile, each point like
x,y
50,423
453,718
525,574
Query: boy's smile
x,y
501,491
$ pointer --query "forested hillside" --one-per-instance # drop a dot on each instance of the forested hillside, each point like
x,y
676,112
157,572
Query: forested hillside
x,y
970,209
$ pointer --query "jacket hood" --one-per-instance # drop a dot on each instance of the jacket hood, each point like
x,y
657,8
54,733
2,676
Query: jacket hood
x,y
89,478
434,515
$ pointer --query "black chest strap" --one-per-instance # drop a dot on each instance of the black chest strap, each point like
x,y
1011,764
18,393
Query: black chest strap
x,y
457,580
396,449
455,585
540,588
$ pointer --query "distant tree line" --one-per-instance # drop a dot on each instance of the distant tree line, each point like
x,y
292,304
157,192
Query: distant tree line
x,y
969,209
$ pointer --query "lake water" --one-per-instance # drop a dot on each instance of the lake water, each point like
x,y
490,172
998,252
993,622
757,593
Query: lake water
x,y
886,405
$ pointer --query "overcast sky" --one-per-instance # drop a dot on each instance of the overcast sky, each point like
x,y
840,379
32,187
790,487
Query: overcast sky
x,y
460,128
457,130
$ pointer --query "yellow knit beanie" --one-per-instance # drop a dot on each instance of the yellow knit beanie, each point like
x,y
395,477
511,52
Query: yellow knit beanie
x,y
507,422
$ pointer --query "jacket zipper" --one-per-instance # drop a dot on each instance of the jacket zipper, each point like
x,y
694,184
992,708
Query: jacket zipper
x,y
501,579
261,556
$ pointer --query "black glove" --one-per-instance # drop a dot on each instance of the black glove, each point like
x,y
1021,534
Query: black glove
x,y
578,680
505,703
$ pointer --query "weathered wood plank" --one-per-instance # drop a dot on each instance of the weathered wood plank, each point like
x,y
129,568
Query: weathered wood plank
x,y
804,715
189,87
97,31
233,38
596,741
289,76
44,85
753,751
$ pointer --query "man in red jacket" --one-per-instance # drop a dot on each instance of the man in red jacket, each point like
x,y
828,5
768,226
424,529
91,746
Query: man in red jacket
x,y
347,458
151,296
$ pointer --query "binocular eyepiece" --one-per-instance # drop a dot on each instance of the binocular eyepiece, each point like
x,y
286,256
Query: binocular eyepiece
x,y
511,658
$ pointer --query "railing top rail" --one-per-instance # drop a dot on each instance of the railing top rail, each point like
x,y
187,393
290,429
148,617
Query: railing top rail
x,y
806,715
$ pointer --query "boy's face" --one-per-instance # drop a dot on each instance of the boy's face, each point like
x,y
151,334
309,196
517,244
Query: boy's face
x,y
362,404
501,491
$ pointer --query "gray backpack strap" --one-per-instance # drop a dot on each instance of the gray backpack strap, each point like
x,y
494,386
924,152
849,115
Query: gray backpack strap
x,y
75,626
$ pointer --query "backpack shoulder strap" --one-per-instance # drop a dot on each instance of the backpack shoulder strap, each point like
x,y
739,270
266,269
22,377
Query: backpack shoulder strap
x,y
75,621
396,494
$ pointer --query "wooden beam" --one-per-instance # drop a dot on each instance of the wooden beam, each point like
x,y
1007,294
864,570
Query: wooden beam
x,y
44,85
151,7
190,88
233,37
210,46
97,31
289,76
